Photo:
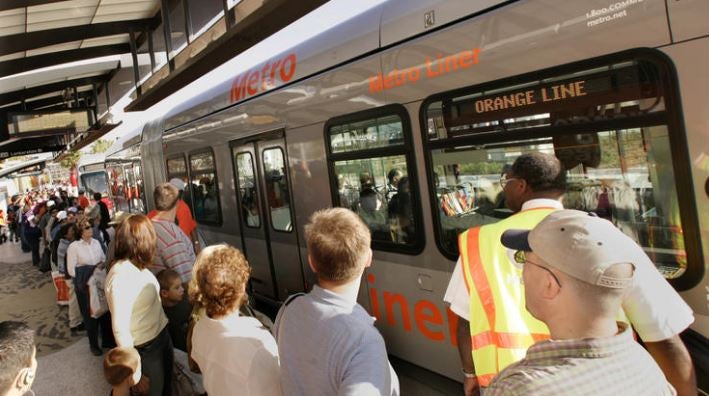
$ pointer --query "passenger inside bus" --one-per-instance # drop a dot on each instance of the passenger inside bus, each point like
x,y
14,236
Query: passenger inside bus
x,y
371,208
400,211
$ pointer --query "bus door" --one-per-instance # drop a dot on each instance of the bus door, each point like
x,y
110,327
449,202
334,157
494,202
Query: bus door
x,y
266,217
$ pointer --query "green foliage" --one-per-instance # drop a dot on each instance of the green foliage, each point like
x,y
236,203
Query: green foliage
x,y
100,146
71,159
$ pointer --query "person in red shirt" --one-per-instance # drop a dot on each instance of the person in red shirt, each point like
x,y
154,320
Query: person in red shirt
x,y
183,215
83,201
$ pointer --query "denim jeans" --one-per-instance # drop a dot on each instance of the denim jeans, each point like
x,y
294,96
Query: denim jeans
x,y
156,360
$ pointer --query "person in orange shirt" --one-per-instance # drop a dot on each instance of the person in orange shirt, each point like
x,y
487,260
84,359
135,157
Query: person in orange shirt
x,y
183,215
83,201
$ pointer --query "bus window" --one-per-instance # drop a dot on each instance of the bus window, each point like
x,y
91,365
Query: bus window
x,y
205,188
119,186
277,195
372,176
137,190
608,125
177,168
247,189
95,182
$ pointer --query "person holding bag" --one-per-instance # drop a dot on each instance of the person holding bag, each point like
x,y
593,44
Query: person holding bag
x,y
133,295
82,257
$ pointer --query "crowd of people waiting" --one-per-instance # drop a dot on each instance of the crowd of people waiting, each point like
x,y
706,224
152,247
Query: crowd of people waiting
x,y
325,343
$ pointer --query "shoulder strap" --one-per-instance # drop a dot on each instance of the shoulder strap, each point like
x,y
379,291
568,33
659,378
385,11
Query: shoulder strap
x,y
279,317
292,297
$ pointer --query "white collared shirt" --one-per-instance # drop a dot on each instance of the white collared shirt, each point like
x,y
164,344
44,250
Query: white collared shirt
x,y
81,253
237,355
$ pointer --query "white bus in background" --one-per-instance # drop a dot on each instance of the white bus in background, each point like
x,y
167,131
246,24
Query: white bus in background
x,y
92,178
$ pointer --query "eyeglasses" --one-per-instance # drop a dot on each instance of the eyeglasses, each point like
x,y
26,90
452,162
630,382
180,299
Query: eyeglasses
x,y
504,180
521,258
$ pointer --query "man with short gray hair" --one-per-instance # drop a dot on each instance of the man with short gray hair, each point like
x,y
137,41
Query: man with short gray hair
x,y
576,269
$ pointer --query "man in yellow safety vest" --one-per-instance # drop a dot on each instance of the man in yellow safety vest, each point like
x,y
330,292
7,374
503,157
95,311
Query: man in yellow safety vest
x,y
486,292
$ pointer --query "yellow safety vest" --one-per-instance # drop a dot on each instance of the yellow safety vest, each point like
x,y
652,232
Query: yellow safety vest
x,y
501,328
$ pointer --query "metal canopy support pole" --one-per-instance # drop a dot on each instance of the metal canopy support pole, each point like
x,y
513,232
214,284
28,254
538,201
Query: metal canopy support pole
x,y
108,96
188,20
165,12
94,102
151,49
228,14
134,55
94,94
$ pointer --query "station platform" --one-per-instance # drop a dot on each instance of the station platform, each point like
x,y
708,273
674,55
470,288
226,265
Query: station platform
x,y
66,367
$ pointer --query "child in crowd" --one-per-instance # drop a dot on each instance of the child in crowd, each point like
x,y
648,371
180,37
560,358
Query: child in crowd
x,y
176,307
121,368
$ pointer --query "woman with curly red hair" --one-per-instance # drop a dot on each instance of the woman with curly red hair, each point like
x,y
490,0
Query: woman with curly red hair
x,y
234,352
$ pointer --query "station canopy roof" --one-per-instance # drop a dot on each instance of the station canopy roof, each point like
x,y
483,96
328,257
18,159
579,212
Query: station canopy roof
x,y
55,56
63,63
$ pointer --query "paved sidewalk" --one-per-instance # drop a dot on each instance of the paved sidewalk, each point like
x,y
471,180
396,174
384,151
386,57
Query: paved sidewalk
x,y
28,295
66,367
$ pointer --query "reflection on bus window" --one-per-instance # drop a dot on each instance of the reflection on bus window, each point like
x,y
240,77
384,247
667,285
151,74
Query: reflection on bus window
x,y
247,190
624,176
205,191
95,182
177,168
367,134
118,189
277,194
377,187
383,202
126,186
624,173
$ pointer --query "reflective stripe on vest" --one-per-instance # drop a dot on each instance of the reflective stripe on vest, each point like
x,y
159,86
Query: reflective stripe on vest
x,y
501,328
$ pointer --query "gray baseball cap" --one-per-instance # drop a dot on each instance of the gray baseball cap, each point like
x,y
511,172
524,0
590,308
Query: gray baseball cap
x,y
579,244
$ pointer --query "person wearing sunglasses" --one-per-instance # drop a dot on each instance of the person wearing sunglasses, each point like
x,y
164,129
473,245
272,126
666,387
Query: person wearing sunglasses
x,y
82,257
577,268
494,329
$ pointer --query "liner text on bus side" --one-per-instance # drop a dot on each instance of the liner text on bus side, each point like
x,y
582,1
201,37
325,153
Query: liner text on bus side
x,y
429,320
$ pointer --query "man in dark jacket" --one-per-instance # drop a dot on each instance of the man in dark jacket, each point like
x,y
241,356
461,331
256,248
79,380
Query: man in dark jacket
x,y
104,217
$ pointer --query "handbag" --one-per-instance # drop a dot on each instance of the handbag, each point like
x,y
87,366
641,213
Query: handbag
x,y
98,305
266,322
62,288
185,382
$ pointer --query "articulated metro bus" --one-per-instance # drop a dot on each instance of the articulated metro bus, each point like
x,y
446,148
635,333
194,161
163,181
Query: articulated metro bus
x,y
408,114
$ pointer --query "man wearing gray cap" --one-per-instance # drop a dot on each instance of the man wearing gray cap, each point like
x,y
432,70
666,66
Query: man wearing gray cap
x,y
576,269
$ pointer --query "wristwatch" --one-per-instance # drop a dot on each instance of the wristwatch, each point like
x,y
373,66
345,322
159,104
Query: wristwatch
x,y
467,374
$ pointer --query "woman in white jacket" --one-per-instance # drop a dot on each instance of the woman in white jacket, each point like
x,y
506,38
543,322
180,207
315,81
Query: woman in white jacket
x,y
133,295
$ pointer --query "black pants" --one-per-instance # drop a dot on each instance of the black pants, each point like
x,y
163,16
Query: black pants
x,y
156,360
25,244
92,325
34,246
